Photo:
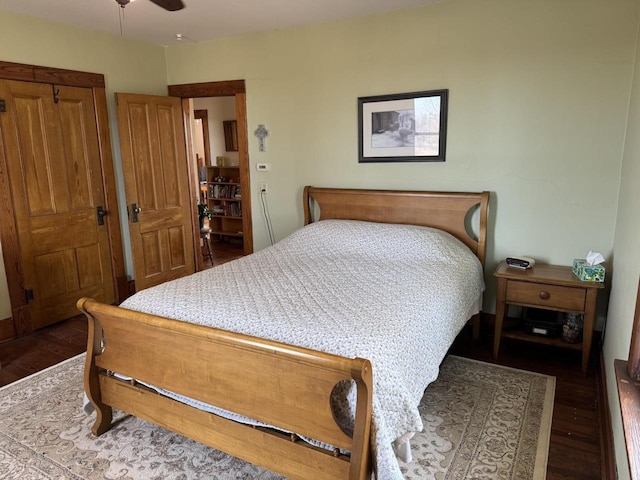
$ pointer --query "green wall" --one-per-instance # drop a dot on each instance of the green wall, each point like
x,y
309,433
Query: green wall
x,y
539,93
539,104
626,266
539,96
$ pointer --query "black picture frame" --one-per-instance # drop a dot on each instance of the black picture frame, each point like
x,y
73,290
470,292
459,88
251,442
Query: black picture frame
x,y
403,127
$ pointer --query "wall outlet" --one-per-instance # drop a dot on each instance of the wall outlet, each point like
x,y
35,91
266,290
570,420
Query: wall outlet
x,y
263,187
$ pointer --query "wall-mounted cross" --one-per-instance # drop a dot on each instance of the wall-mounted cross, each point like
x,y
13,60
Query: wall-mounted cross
x,y
261,133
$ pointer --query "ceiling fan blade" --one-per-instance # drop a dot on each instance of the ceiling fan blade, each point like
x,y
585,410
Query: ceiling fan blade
x,y
171,5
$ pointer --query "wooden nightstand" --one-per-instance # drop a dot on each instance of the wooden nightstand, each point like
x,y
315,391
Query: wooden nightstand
x,y
549,287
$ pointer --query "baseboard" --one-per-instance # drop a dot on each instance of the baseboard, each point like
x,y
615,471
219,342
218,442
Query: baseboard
x,y
607,453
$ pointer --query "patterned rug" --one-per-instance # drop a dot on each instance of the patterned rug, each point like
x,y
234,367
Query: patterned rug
x,y
481,421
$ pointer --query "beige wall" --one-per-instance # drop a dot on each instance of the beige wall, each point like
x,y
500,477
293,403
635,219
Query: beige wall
x,y
128,66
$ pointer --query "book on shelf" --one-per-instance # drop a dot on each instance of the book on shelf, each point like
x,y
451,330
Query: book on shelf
x,y
233,210
224,191
228,210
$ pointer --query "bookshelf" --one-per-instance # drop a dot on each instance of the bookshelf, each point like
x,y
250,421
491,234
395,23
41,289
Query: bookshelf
x,y
224,198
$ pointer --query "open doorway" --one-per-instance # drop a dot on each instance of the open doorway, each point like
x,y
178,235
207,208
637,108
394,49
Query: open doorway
x,y
216,158
237,226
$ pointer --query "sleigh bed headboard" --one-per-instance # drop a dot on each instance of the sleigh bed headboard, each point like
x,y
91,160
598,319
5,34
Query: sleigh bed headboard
x,y
448,211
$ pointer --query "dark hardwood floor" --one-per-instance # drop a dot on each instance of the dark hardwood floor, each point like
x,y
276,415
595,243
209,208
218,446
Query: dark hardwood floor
x,y
574,451
222,252
42,349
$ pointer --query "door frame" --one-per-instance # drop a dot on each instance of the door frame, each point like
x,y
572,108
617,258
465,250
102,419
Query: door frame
x,y
229,88
21,324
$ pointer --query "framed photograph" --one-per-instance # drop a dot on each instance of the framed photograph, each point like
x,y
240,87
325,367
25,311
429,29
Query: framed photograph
x,y
404,127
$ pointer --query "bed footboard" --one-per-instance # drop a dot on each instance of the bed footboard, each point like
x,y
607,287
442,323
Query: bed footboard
x,y
278,384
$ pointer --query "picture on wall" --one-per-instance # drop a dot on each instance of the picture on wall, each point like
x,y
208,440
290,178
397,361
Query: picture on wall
x,y
404,127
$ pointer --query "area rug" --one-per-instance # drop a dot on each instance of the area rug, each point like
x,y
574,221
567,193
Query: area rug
x,y
481,421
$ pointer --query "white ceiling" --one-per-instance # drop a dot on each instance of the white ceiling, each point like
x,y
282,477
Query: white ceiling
x,y
200,19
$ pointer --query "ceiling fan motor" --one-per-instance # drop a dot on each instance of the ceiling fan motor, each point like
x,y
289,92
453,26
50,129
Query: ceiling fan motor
x,y
170,5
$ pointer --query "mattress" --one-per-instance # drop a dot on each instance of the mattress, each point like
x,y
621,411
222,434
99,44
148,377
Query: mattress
x,y
397,295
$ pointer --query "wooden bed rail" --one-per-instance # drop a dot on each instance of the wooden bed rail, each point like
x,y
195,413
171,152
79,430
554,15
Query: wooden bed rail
x,y
279,384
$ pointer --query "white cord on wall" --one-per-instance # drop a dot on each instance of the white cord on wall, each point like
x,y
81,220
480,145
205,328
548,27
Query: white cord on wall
x,y
265,213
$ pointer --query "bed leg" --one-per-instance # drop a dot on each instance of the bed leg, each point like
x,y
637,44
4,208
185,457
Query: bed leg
x,y
104,413
103,421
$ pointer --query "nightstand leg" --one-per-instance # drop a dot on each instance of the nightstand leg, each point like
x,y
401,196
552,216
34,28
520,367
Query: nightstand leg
x,y
500,308
587,329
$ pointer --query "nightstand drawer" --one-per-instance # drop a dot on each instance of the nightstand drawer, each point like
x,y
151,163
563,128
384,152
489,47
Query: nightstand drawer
x,y
546,296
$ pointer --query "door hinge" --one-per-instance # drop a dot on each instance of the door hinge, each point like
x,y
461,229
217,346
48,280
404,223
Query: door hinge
x,y
28,293
3,106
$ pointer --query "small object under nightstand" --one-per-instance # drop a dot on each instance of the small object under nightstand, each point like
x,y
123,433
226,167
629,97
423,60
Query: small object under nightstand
x,y
548,287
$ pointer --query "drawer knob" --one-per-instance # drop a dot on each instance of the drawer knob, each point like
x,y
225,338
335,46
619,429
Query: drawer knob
x,y
545,295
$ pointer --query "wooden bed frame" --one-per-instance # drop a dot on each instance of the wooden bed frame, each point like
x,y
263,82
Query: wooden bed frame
x,y
278,384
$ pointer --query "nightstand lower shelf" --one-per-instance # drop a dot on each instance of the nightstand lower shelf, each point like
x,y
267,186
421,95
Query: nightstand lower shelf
x,y
527,337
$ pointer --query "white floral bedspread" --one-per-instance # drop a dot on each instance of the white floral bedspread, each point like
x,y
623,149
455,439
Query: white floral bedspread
x,y
394,294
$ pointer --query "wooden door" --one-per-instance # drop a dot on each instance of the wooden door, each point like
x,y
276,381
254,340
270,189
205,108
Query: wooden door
x,y
152,144
53,159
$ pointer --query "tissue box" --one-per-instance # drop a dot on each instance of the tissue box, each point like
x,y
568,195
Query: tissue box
x,y
588,273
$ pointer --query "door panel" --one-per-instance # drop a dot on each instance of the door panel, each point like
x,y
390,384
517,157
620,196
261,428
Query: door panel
x,y
74,121
176,246
89,273
36,147
56,183
62,231
152,253
61,265
154,163
169,152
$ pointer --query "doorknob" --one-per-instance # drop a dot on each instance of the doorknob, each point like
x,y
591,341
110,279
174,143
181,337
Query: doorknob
x,y
101,213
135,210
